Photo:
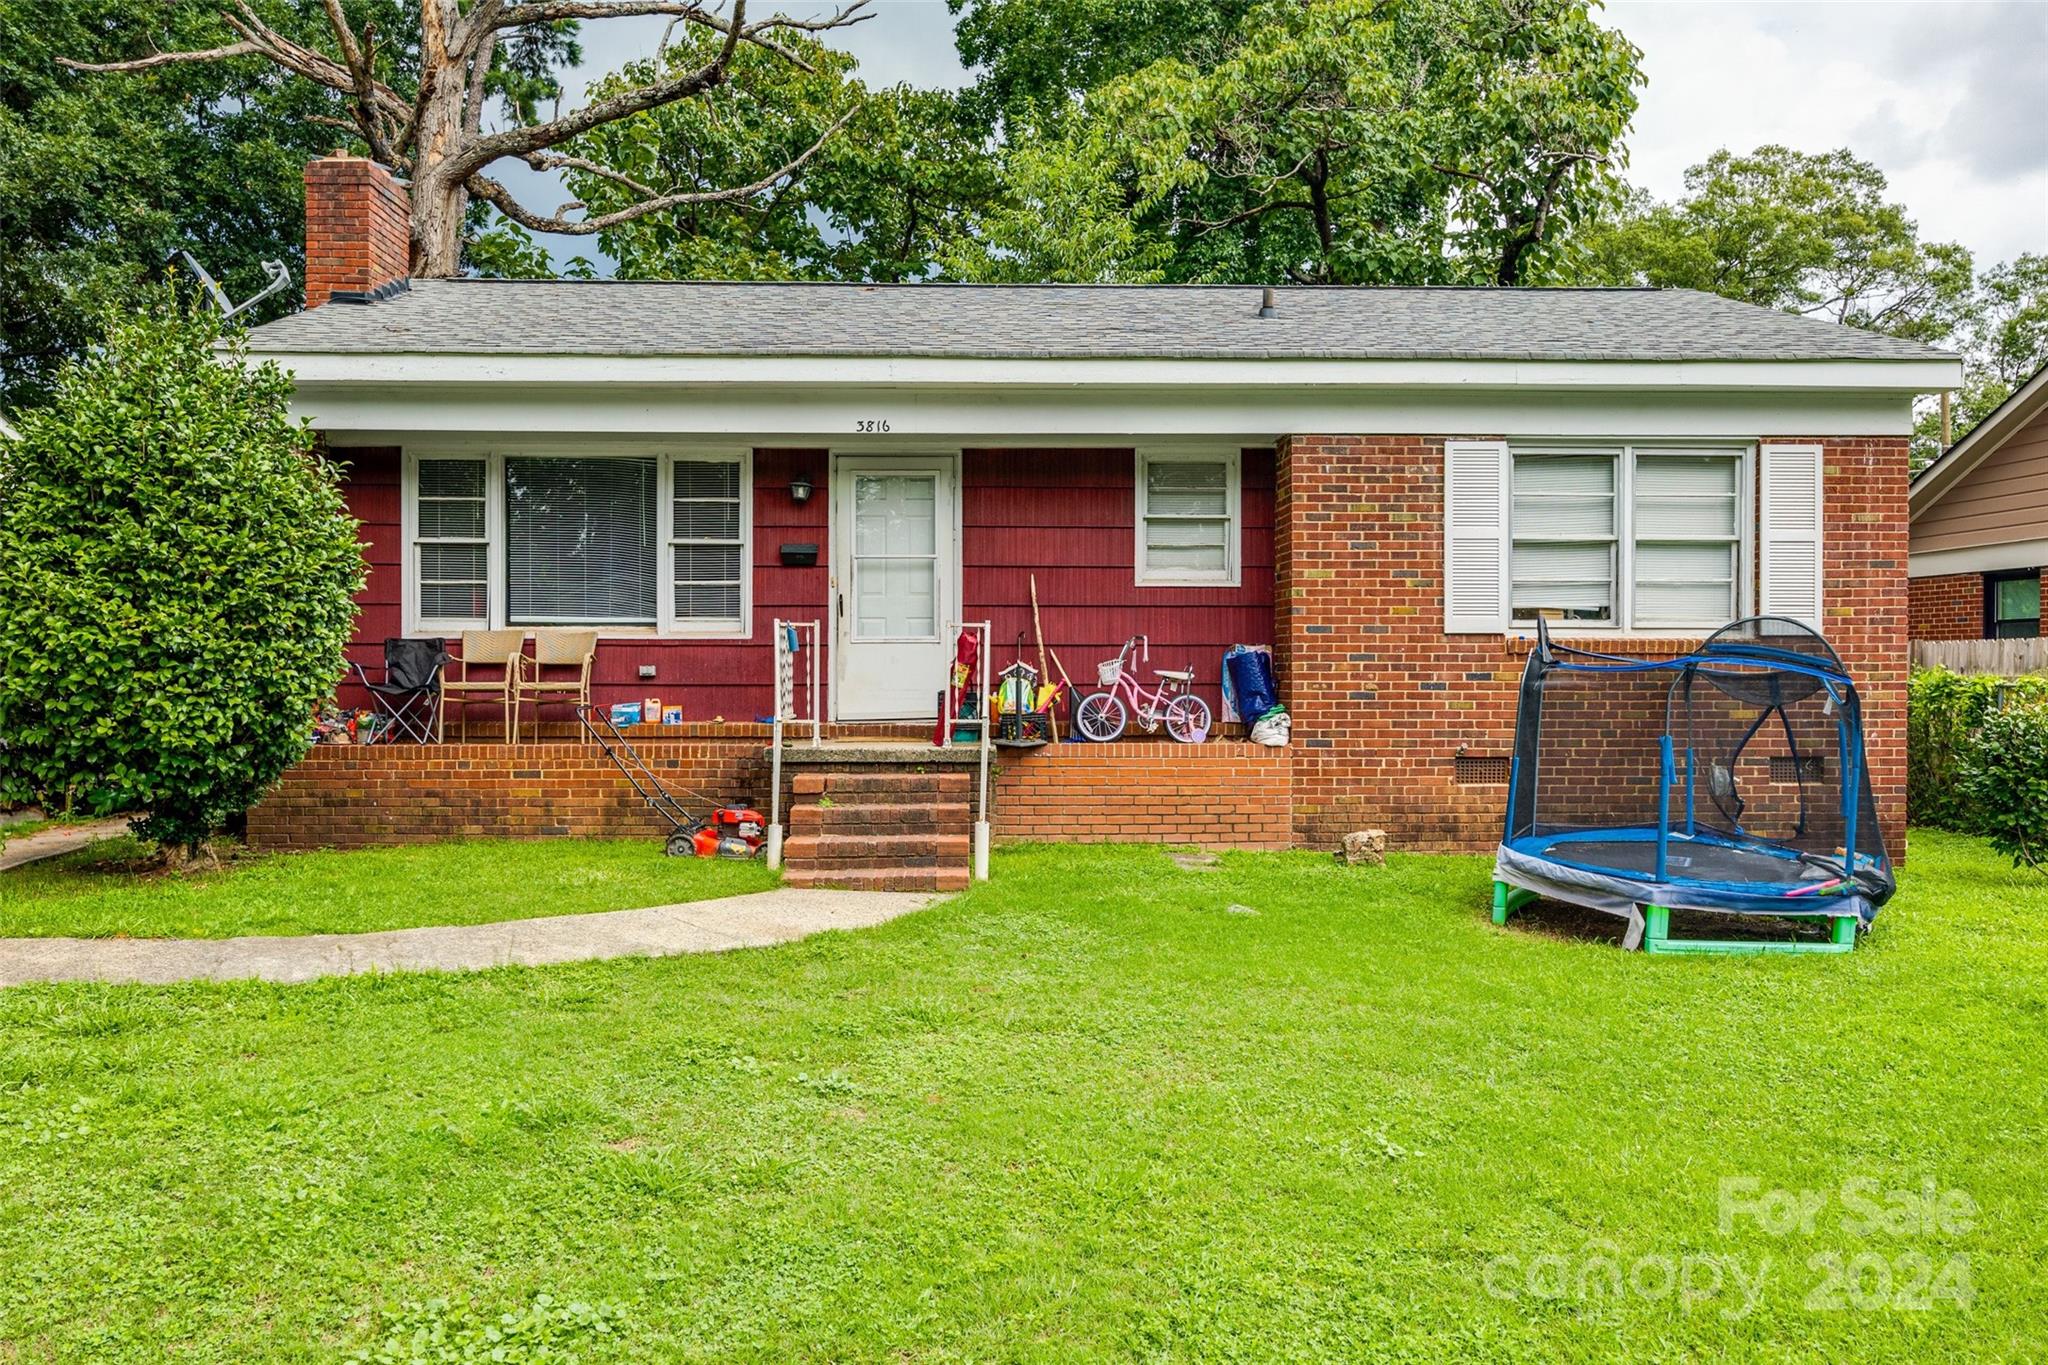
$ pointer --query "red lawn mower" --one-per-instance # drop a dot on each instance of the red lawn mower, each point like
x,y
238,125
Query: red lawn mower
x,y
731,832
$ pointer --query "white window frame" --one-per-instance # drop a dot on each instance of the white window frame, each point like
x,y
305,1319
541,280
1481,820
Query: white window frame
x,y
1232,460
494,513
666,538
1624,622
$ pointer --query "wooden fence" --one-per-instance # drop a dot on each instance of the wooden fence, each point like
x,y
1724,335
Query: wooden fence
x,y
2006,658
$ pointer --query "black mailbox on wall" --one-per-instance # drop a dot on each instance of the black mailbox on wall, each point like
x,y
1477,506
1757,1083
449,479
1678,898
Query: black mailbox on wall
x,y
799,556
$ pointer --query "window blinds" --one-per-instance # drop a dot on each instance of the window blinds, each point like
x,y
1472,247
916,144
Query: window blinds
x,y
580,541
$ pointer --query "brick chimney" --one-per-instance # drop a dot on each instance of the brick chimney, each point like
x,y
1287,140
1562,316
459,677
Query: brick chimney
x,y
358,231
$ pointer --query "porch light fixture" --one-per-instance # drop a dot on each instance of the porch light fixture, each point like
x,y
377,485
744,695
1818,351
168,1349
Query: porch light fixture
x,y
799,490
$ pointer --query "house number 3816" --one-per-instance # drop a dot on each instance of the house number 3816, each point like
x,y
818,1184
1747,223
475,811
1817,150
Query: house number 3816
x,y
871,424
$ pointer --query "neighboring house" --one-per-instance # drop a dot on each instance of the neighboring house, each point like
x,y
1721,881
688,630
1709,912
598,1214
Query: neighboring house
x,y
1388,486
1980,526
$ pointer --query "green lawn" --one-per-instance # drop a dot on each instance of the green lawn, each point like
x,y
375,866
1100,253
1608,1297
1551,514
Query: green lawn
x,y
1088,1110
95,892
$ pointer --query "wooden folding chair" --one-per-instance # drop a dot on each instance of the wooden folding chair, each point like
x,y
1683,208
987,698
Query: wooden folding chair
x,y
499,649
556,649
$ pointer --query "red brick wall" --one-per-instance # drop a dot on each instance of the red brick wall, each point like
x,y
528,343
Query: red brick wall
x,y
1384,700
1223,794
1864,600
1947,607
358,228
352,797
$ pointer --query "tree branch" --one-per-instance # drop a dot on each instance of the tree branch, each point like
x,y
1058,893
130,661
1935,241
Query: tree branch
x,y
500,198
211,54
482,151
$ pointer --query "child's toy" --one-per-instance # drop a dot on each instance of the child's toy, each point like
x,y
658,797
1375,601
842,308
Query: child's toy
x,y
1102,715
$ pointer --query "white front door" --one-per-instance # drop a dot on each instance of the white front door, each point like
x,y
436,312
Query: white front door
x,y
896,575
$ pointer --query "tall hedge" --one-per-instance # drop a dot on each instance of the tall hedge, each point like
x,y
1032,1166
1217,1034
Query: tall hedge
x,y
1955,724
177,581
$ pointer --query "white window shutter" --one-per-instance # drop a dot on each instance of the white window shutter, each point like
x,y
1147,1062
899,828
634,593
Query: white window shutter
x,y
1791,533
1475,537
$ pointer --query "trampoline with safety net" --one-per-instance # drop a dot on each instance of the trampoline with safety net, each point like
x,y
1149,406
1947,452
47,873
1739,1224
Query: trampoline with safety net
x,y
1729,779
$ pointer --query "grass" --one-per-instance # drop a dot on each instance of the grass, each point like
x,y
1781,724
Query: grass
x,y
96,892
1092,1109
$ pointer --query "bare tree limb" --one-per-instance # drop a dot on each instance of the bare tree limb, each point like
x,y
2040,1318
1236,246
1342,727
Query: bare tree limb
x,y
495,194
558,161
483,150
211,54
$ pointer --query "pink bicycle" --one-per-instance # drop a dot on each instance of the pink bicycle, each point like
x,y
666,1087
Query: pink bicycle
x,y
1101,716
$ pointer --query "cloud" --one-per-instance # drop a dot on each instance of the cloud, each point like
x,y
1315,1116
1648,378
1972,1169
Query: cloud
x,y
1950,101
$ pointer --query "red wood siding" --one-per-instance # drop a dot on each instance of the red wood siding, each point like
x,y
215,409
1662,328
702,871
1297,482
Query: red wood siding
x,y
1070,517
732,679
1067,515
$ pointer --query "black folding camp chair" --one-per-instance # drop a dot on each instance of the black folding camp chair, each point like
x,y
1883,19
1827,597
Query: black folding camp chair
x,y
409,698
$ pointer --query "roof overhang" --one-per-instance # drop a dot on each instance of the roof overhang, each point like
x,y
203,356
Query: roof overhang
x,y
2022,406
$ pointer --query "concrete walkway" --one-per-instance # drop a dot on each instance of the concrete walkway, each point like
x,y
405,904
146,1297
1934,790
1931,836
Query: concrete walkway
x,y
48,843
712,926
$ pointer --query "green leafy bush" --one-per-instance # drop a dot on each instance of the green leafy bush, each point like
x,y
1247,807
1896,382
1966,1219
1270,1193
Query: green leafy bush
x,y
1944,711
177,580
2003,779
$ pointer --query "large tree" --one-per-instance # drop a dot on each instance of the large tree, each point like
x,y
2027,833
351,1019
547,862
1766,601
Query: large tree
x,y
415,99
1803,232
880,201
1323,142
97,192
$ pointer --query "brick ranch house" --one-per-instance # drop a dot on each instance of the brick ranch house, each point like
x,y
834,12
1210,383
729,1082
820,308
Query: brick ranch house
x,y
1980,526
1386,485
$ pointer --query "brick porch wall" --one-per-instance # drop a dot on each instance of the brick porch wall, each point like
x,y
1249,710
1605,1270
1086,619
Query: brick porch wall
x,y
1384,701
1223,794
1948,607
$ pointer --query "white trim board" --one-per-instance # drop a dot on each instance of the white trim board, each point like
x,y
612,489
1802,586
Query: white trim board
x,y
840,415
2017,554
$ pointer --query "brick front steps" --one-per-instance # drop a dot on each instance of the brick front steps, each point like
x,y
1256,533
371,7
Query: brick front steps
x,y
880,831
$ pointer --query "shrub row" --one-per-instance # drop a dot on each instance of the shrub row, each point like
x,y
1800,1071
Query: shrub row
x,y
1977,758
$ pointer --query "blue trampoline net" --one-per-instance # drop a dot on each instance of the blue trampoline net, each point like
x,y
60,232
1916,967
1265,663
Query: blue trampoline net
x,y
1728,778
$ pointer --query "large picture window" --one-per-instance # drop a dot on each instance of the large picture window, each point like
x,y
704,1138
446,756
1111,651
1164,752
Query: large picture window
x,y
629,542
579,542
1188,517
1629,537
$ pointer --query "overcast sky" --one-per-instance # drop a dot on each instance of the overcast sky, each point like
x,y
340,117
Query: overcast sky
x,y
1948,97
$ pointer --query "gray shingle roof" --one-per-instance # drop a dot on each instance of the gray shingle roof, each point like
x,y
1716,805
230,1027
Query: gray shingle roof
x,y
611,318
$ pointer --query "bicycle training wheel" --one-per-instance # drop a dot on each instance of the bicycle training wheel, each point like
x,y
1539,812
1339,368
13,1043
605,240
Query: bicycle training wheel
x,y
1187,719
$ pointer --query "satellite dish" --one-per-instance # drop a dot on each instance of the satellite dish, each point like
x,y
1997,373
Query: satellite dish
x,y
280,279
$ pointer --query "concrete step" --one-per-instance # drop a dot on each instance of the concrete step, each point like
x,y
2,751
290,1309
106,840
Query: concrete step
x,y
881,819
880,879
876,851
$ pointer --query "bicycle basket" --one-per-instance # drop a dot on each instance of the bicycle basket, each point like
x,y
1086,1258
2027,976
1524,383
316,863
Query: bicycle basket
x,y
1108,671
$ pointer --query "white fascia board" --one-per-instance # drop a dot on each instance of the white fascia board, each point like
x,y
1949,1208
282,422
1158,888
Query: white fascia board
x,y
2017,554
853,414
1907,376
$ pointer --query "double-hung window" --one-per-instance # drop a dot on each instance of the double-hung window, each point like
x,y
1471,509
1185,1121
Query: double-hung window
x,y
2012,605
1625,536
452,541
1188,517
621,542
708,544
